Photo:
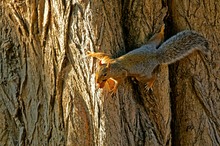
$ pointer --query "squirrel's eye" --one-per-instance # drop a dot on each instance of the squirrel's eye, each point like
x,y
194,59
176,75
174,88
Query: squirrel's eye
x,y
105,74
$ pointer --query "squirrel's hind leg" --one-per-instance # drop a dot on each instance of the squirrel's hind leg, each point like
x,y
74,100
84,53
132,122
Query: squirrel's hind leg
x,y
150,83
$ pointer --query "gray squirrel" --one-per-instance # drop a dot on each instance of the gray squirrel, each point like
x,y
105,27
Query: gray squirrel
x,y
141,62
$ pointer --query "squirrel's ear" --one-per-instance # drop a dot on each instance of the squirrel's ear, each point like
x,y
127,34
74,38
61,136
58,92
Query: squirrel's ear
x,y
100,62
101,56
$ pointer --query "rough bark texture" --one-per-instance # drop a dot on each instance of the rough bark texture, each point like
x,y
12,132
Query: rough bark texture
x,y
195,80
48,94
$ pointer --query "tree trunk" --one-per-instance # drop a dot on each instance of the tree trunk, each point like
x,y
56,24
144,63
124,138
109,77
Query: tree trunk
x,y
195,80
48,94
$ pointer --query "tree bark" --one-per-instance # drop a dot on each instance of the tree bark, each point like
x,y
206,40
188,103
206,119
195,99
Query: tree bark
x,y
48,94
195,79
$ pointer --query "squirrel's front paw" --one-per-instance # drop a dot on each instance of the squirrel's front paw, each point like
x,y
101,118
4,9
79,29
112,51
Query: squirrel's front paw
x,y
113,91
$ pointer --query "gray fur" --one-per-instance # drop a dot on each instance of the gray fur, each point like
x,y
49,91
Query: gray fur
x,y
181,45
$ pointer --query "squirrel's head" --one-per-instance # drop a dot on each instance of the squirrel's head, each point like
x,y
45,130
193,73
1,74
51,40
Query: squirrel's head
x,y
103,71
102,75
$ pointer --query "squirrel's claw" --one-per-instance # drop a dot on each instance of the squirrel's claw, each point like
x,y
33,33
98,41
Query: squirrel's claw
x,y
114,90
149,85
148,89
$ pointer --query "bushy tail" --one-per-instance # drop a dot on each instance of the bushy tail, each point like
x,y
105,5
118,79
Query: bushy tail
x,y
181,45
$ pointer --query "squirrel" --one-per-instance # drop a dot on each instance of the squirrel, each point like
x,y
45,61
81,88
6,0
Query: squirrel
x,y
140,63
